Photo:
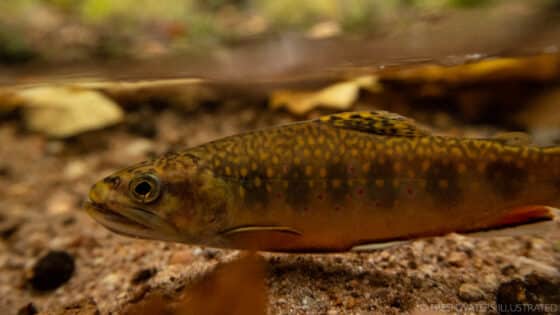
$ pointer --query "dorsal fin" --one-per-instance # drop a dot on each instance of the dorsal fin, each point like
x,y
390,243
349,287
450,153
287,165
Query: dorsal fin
x,y
514,138
377,122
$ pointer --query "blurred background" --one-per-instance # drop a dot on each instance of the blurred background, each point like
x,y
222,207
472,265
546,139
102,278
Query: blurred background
x,y
91,86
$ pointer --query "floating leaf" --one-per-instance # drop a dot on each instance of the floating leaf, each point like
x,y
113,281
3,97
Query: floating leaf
x,y
340,96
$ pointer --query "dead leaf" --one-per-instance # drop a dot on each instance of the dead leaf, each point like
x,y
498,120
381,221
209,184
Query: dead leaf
x,y
59,111
339,96
540,68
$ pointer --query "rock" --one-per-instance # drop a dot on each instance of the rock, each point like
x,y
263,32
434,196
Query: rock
x,y
66,111
183,257
143,275
28,309
52,270
532,295
470,293
457,259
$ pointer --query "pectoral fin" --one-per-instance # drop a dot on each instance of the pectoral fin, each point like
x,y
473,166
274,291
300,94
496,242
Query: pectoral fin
x,y
260,228
267,238
376,246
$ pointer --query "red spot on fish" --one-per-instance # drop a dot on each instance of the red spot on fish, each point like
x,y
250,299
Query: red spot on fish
x,y
410,191
278,195
351,169
320,196
337,208
360,191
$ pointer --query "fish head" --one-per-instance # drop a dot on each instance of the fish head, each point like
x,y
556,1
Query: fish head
x,y
171,198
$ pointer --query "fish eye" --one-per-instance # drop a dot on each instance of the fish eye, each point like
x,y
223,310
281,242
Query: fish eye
x,y
145,188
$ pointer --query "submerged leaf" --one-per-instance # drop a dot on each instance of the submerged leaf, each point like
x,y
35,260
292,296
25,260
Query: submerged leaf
x,y
65,111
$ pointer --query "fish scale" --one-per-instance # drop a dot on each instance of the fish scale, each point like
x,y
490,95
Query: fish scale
x,y
334,183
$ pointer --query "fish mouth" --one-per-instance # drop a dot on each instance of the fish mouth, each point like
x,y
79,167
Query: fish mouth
x,y
130,221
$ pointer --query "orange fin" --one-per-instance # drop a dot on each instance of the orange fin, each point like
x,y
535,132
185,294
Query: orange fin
x,y
267,238
527,220
524,215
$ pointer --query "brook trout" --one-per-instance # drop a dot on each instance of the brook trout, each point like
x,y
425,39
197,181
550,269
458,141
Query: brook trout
x,y
331,184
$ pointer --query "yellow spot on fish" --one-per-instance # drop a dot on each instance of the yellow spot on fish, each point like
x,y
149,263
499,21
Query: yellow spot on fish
x,y
336,183
310,141
480,167
254,166
322,172
263,155
269,172
397,167
456,152
258,182
268,188
396,183
308,170
354,152
306,153
321,139
443,183
425,165
297,160
532,179
228,171
366,167
216,162
275,160
241,192
244,172
317,153
461,168
379,183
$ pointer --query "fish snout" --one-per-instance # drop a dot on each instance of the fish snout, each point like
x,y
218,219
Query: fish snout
x,y
99,192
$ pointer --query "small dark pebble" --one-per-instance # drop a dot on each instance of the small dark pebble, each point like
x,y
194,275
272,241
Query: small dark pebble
x,y
143,275
69,221
28,309
52,270
9,228
532,295
210,253
142,124
5,171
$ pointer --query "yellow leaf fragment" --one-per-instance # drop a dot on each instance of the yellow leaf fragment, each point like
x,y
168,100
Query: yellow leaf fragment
x,y
60,111
339,96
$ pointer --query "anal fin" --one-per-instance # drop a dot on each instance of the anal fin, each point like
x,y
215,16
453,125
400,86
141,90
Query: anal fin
x,y
527,220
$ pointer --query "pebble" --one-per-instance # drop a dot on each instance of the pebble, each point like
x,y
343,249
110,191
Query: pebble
x,y
143,275
457,259
183,257
535,293
75,169
61,202
52,270
470,293
28,309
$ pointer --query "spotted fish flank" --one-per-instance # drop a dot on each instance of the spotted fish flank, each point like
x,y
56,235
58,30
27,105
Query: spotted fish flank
x,y
331,184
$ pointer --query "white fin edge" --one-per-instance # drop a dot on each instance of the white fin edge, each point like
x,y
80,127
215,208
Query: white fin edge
x,y
376,246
